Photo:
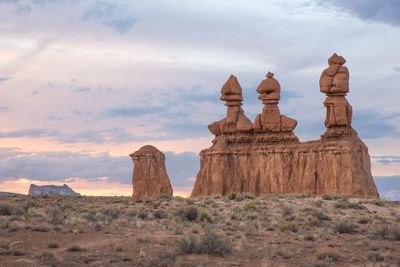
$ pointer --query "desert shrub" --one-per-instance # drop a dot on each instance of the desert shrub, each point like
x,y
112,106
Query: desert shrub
x,y
165,197
321,215
48,259
190,213
364,220
98,227
327,254
345,204
252,217
163,260
40,228
188,246
55,216
375,256
18,211
231,196
248,196
160,214
296,196
377,202
111,214
289,227
331,197
388,232
75,249
17,253
210,243
309,237
52,245
344,227
251,205
142,214
132,213
318,203
213,244
90,215
286,211
317,264
30,203
203,216
6,209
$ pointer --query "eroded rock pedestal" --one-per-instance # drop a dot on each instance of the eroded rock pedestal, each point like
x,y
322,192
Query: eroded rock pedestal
x,y
150,178
269,159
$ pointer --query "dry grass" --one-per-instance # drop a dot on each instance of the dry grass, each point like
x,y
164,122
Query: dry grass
x,y
235,230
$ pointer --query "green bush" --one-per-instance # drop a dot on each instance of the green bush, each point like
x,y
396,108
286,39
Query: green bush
x,y
231,196
203,216
251,205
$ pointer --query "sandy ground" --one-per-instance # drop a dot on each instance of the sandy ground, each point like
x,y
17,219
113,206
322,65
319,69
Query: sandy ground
x,y
214,231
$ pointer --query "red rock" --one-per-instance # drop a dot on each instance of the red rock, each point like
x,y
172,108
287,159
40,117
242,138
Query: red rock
x,y
150,178
271,160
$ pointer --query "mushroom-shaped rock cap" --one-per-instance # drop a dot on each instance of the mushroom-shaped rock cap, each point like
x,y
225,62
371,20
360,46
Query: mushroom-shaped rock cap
x,y
269,85
335,59
231,90
147,150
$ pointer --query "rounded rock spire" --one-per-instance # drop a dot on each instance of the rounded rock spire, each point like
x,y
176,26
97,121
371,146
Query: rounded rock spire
x,y
269,85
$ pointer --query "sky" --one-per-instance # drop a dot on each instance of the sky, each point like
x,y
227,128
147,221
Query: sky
x,y
85,83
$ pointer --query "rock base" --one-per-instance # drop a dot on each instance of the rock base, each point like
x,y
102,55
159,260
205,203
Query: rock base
x,y
310,168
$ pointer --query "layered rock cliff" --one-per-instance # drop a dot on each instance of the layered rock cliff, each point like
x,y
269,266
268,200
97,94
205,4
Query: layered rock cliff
x,y
150,178
269,159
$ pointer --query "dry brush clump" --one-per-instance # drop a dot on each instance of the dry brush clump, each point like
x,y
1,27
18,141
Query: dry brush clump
x,y
210,243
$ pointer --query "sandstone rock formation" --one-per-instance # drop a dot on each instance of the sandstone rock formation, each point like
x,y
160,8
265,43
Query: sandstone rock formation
x,y
269,159
270,123
51,190
235,120
334,82
150,178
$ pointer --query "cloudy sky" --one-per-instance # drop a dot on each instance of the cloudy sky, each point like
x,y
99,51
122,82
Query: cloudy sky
x,y
85,83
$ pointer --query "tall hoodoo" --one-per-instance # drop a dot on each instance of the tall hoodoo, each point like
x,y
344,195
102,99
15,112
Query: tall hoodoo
x,y
235,120
276,127
334,82
150,178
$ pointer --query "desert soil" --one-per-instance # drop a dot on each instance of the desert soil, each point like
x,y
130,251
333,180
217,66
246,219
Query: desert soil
x,y
238,230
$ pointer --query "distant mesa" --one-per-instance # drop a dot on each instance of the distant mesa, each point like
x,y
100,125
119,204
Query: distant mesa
x,y
150,178
51,190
